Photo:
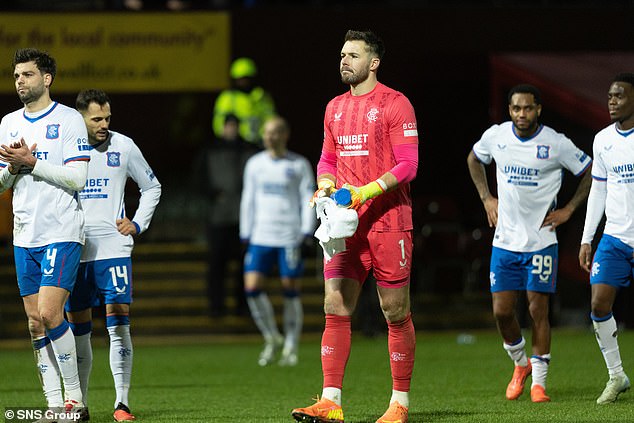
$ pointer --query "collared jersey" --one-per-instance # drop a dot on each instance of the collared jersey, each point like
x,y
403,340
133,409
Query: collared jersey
x,y
361,131
529,174
614,164
274,208
112,162
43,212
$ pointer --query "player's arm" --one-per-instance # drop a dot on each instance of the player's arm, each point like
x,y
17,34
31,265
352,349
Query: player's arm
x,y
247,200
326,167
150,188
306,187
7,172
479,178
72,175
6,178
594,214
404,171
326,171
560,216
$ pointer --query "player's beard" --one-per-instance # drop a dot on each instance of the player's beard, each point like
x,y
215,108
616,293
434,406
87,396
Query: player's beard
x,y
31,94
355,78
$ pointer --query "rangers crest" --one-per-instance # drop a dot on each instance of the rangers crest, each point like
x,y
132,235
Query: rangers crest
x,y
114,159
543,151
52,131
373,114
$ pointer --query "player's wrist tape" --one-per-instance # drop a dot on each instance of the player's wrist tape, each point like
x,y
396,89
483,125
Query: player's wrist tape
x,y
382,184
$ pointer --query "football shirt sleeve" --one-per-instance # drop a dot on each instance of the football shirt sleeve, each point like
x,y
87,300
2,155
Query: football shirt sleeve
x,y
403,127
71,176
596,198
141,173
306,189
247,201
573,158
482,149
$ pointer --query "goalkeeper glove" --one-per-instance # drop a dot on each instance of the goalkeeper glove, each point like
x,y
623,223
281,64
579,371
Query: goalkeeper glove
x,y
325,187
359,195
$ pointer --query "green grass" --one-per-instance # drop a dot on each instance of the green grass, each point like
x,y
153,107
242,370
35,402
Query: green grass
x,y
221,382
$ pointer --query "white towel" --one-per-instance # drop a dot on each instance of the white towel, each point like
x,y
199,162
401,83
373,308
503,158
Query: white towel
x,y
337,224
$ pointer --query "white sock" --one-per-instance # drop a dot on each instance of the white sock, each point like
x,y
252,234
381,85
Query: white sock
x,y
263,315
517,353
606,333
333,394
84,363
48,371
293,321
540,369
401,397
121,355
66,355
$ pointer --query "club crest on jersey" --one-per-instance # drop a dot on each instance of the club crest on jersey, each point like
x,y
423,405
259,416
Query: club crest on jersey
x,y
52,131
543,152
114,159
373,114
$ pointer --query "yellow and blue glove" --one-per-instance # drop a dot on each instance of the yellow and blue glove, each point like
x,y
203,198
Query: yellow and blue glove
x,y
359,195
325,188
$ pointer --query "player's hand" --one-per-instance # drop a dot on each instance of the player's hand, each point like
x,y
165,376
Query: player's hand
x,y
126,227
18,154
325,188
491,207
558,217
585,257
359,195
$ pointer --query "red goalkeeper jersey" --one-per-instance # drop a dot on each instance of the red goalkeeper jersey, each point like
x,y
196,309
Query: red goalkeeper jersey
x,y
361,131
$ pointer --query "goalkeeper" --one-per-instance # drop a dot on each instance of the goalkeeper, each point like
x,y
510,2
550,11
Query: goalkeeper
x,y
370,147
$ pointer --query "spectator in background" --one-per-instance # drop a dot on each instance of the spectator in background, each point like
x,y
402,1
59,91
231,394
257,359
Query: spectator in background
x,y
105,272
530,158
275,219
251,104
611,194
224,161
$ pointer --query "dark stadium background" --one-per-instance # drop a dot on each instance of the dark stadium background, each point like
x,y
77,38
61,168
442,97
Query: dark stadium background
x,y
437,54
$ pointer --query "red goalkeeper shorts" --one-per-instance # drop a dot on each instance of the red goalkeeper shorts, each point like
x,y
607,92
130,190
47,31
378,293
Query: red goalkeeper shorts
x,y
388,254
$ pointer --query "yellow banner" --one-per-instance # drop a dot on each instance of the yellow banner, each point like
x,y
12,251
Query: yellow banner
x,y
151,52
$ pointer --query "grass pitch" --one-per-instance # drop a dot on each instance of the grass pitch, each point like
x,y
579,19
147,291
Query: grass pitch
x,y
220,381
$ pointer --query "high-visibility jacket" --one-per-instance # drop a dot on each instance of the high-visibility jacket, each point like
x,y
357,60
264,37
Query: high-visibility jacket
x,y
252,109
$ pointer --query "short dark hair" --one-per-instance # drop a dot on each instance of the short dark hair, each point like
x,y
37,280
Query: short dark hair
x,y
374,42
85,97
526,89
44,61
625,77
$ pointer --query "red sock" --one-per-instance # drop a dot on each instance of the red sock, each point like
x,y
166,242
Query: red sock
x,y
401,344
335,349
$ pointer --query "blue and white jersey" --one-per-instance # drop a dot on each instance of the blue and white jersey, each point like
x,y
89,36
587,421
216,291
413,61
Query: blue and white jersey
x,y
614,164
112,162
529,175
274,207
44,212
